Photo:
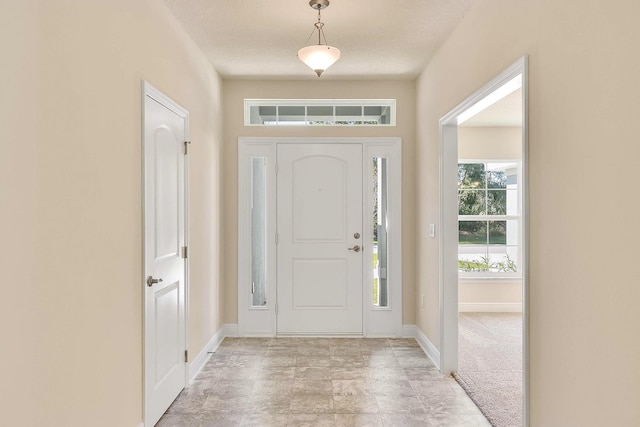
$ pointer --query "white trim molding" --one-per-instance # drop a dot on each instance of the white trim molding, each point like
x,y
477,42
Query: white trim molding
x,y
412,331
196,365
448,251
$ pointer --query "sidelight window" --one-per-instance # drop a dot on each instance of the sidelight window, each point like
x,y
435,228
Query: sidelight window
x,y
258,231
380,233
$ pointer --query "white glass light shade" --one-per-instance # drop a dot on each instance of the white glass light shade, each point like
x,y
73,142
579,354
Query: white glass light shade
x,y
319,57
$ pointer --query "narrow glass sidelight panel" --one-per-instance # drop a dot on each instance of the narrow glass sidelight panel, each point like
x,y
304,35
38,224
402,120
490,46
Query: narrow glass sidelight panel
x,y
380,235
258,283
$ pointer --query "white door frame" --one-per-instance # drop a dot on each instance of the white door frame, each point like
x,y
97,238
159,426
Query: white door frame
x,y
149,90
449,223
261,321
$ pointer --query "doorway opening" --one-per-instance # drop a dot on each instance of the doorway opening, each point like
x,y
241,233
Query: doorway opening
x,y
319,237
483,253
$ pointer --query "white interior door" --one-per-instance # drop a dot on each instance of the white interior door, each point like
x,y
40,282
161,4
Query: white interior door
x,y
319,217
164,235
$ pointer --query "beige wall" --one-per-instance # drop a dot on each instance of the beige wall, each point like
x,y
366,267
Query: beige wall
x,y
583,213
70,186
235,91
491,143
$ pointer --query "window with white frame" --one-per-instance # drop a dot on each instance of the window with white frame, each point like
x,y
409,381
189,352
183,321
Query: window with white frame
x,y
319,112
489,219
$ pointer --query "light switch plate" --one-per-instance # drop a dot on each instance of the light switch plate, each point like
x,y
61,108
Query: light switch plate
x,y
432,230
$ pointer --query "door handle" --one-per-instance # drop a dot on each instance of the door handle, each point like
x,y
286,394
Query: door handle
x,y
356,248
151,281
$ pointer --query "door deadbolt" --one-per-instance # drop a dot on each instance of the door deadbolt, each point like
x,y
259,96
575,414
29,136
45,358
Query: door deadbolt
x,y
356,235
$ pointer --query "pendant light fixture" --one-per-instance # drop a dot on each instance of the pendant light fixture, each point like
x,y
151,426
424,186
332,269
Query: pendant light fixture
x,y
319,57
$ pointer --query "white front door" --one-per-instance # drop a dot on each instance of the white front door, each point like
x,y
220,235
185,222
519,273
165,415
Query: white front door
x,y
164,235
319,262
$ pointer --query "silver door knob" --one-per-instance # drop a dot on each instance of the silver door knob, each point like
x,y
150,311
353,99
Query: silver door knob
x,y
151,281
356,248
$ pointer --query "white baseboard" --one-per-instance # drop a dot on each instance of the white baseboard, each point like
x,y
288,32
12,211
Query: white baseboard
x,y
141,424
428,347
485,307
412,331
195,366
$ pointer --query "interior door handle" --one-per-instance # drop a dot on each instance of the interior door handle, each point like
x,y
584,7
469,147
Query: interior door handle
x,y
356,248
151,281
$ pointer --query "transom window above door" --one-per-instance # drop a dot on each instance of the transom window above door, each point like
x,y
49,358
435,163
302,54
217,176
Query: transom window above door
x,y
319,112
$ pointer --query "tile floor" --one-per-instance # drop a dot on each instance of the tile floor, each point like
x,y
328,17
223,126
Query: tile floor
x,y
321,382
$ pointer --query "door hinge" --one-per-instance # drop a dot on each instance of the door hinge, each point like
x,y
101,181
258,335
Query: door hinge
x,y
186,356
276,166
184,252
186,149
276,307
276,238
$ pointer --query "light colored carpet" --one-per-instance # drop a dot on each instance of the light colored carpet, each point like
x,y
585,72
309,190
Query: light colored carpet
x,y
490,364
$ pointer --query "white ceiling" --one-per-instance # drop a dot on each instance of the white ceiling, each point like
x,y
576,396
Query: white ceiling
x,y
260,39
506,112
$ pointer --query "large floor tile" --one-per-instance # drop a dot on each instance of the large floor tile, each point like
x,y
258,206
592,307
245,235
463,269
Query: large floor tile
x,y
321,382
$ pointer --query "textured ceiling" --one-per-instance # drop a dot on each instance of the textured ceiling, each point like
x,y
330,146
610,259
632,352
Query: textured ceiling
x,y
260,39
506,112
